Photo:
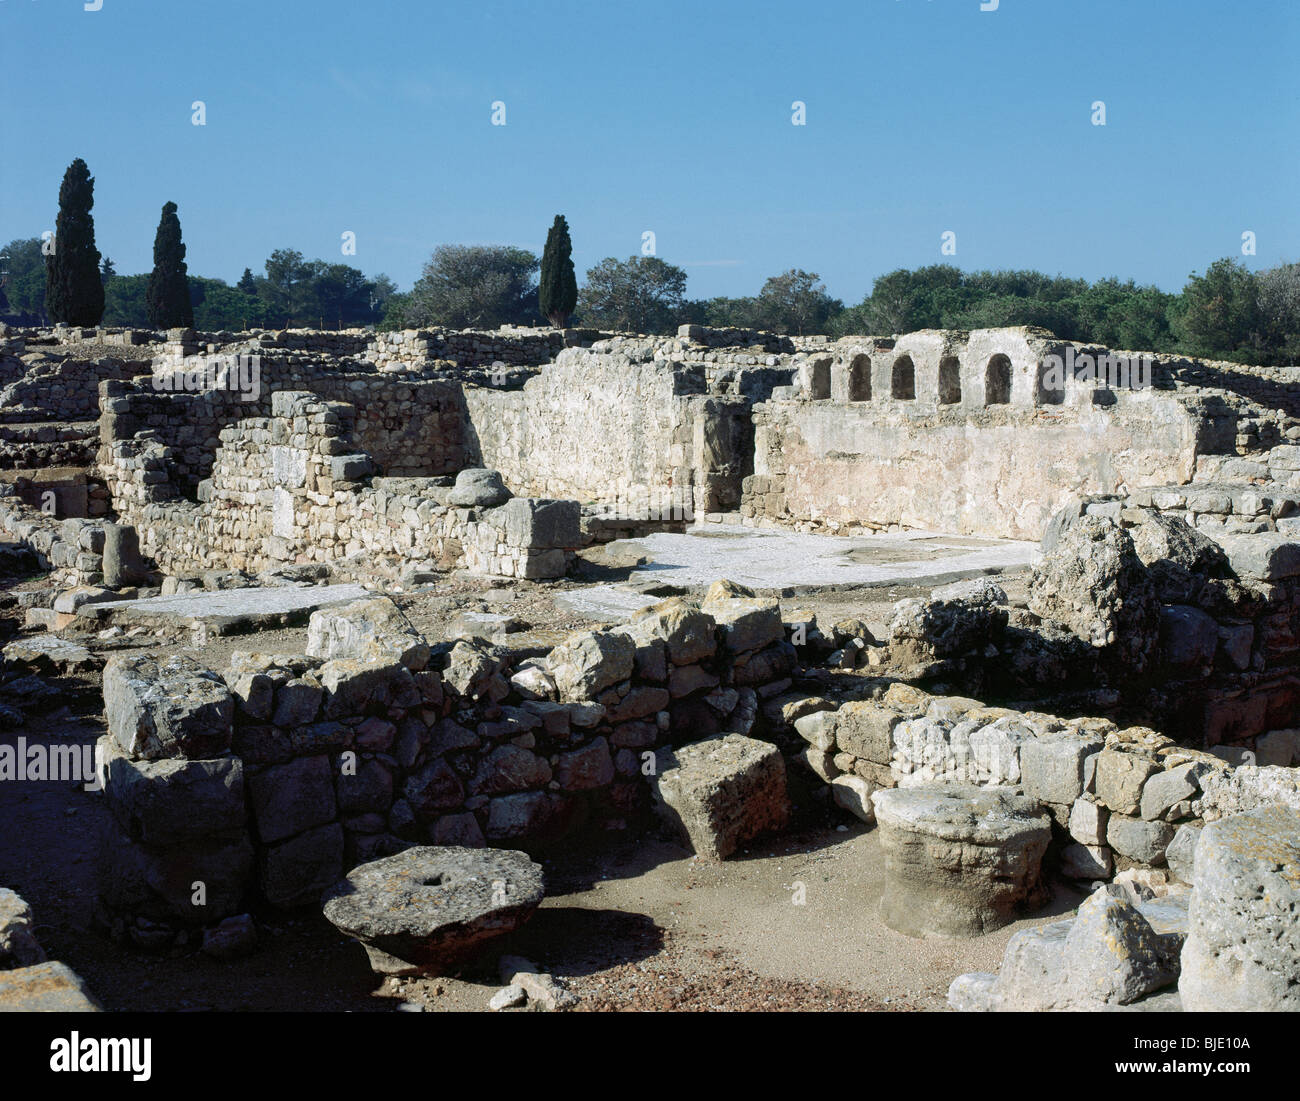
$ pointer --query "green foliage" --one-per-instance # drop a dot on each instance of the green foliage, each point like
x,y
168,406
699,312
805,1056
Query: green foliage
x,y
168,294
22,270
475,287
1219,313
125,302
74,292
557,291
642,294
395,311
796,302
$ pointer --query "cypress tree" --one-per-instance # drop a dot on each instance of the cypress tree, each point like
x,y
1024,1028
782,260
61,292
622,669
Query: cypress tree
x,y
168,294
557,292
74,293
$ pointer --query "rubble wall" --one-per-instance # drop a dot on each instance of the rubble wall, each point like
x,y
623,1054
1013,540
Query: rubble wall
x,y
273,778
294,487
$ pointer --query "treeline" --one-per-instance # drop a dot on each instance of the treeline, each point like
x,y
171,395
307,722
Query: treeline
x,y
1227,313
291,291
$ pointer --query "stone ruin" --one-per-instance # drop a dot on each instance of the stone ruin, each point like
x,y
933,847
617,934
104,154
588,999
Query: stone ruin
x,y
1130,723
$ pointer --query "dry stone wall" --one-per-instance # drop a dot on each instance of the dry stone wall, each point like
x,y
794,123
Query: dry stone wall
x,y
1118,797
294,487
268,781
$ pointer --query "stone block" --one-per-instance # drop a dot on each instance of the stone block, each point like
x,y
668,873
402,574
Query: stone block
x,y
721,792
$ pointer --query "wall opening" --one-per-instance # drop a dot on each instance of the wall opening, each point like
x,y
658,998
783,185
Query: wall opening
x,y
860,378
819,379
949,381
903,383
997,381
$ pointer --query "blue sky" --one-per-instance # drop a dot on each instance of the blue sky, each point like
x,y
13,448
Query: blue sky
x,y
923,116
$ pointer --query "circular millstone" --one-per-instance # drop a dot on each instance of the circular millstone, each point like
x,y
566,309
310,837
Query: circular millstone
x,y
428,909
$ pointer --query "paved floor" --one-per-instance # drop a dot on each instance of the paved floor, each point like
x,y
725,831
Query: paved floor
x,y
785,560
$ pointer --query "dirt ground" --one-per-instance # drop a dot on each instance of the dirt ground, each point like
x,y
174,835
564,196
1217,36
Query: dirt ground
x,y
631,921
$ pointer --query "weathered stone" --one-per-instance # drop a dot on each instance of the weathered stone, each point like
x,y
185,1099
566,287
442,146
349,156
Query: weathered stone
x,y
588,662
746,624
1120,777
477,487
295,872
723,791
18,944
1243,945
1088,822
817,729
166,802
865,729
157,881
433,788
586,768
1139,840
1093,583
290,798
1051,766
527,816
1164,789
509,768
1181,854
430,910
366,630
853,794
50,987
688,633
1188,638
1086,862
1113,956
959,861
173,708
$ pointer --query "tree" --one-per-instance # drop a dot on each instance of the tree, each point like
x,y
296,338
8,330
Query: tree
x,y
22,272
125,302
74,293
557,293
287,292
475,286
168,297
1219,311
1279,311
642,294
107,271
796,301
247,283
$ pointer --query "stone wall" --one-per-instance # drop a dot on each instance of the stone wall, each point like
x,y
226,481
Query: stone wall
x,y
953,432
409,427
270,780
294,487
604,426
1118,797
71,549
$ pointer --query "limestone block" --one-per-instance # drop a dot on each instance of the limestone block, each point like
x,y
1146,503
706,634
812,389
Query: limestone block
x,y
1243,945
172,708
959,860
722,791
